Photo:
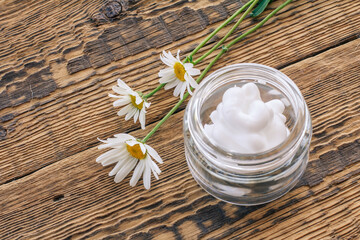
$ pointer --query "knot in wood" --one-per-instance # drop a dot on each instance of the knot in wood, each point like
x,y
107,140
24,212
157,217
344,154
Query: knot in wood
x,y
3,133
112,9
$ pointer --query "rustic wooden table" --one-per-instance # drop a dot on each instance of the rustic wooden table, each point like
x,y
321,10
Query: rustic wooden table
x,y
58,62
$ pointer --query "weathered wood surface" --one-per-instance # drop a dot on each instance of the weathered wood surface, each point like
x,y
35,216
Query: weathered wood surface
x,y
59,61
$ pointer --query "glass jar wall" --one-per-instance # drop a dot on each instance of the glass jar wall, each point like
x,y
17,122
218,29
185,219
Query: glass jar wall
x,y
247,179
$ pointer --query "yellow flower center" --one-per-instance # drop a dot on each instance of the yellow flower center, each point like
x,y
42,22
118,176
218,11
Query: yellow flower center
x,y
133,101
179,71
135,151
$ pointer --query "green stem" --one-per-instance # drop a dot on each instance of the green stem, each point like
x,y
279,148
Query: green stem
x,y
229,33
220,27
183,99
205,41
224,50
259,24
154,91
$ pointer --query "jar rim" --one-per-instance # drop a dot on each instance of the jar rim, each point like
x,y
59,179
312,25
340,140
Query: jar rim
x,y
297,132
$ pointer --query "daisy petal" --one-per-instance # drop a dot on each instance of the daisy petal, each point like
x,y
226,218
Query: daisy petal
x,y
155,174
106,155
153,170
136,116
112,159
191,81
114,96
165,58
119,90
107,145
189,68
171,58
189,89
125,170
130,114
182,91
143,148
178,55
178,89
168,79
147,175
137,173
124,136
115,169
122,84
165,72
155,167
142,119
124,110
121,102
153,153
172,84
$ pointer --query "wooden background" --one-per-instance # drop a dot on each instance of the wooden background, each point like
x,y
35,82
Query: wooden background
x,y
58,62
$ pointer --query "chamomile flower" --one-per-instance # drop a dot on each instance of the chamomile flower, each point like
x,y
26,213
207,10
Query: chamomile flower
x,y
177,75
134,105
129,153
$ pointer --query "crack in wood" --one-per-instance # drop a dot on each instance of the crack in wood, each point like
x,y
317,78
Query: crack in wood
x,y
132,36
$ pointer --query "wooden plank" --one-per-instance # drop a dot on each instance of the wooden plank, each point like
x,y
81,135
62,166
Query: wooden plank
x,y
330,210
64,113
75,198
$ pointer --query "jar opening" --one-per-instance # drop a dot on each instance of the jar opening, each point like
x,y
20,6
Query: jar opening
x,y
273,85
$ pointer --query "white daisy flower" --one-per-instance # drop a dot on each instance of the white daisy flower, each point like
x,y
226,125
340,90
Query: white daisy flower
x,y
135,105
130,153
177,75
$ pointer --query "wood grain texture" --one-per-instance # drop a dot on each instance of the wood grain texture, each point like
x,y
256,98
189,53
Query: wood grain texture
x,y
51,122
57,68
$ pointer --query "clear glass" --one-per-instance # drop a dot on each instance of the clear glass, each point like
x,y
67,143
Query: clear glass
x,y
247,179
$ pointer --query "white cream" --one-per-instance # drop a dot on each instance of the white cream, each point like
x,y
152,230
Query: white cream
x,y
243,123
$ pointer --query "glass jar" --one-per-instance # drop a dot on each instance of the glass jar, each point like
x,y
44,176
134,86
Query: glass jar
x,y
247,179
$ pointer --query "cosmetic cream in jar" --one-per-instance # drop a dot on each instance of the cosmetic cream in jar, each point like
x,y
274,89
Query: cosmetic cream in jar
x,y
233,174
